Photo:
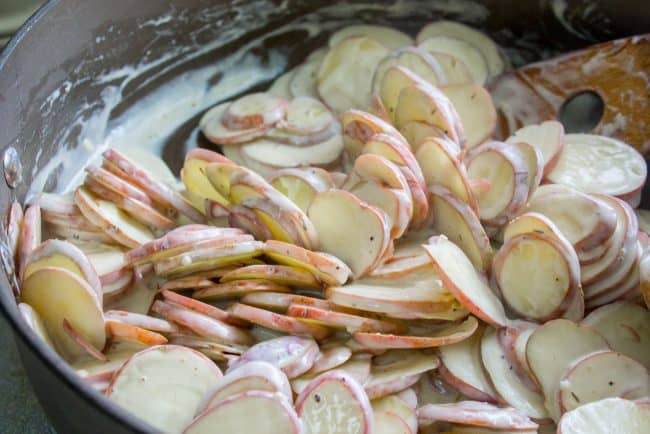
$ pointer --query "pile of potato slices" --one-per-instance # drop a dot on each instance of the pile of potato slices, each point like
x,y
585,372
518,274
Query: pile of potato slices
x,y
362,257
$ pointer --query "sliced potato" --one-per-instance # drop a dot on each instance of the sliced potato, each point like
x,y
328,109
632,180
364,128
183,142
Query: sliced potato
x,y
462,368
14,223
35,323
359,127
57,294
397,370
276,321
291,354
617,376
343,75
462,50
548,137
29,237
351,323
454,70
513,340
456,220
397,406
330,358
570,342
360,239
476,111
607,416
124,332
254,110
177,377
279,301
387,36
464,282
200,307
281,274
280,155
238,288
214,130
534,164
301,185
334,403
193,174
140,320
396,204
475,413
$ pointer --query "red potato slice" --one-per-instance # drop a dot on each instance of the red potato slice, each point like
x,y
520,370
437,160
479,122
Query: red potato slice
x,y
585,220
186,283
208,258
238,288
513,340
62,254
416,131
534,164
82,342
248,221
117,184
299,185
343,75
619,376
418,294
425,103
215,131
253,375
476,111
372,167
505,171
202,308
351,323
454,70
329,359
193,176
327,268
334,402
359,127
201,324
35,323
456,220
536,276
57,294
279,155
118,225
399,406
254,110
360,239
626,328
124,332
398,267
506,381
606,416
387,36
571,342
462,50
29,237
495,60
178,377
278,322
293,355
233,414
140,320
548,137
281,274
462,368
398,370
461,279
14,223
626,273
389,423
582,167
436,337
307,116
396,204
160,192
475,413
623,243
440,166
278,301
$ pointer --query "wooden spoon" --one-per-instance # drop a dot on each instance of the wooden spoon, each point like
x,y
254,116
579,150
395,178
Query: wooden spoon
x,y
617,71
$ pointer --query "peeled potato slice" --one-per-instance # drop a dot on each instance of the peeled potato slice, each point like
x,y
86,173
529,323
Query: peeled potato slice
x,y
349,322
278,322
582,167
387,36
343,77
570,342
464,282
57,294
334,403
233,414
177,377
360,238
618,376
478,414
607,416
475,109
434,337
536,276
505,379
293,355
626,328
254,375
425,103
461,50
548,137
487,47
456,220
